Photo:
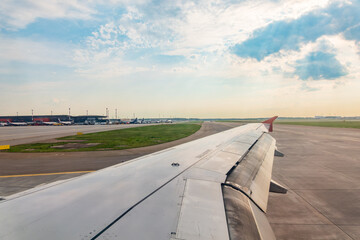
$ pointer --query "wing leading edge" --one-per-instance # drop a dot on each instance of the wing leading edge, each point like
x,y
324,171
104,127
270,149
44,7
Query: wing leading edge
x,y
211,188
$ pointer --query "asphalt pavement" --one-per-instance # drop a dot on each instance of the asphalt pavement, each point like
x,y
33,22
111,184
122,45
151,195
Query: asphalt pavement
x,y
27,134
321,169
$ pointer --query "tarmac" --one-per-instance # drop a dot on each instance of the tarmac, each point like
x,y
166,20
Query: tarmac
x,y
27,134
320,169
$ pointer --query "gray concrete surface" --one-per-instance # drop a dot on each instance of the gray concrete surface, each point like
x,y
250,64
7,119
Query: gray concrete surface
x,y
321,169
27,134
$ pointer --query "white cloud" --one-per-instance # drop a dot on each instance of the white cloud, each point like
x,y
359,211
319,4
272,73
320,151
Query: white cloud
x,y
212,26
277,70
18,14
34,52
201,31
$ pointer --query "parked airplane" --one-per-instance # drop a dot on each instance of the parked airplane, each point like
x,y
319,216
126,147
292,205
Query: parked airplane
x,y
216,187
135,121
16,123
65,122
50,123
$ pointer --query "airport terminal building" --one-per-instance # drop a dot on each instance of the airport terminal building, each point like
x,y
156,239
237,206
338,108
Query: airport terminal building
x,y
85,119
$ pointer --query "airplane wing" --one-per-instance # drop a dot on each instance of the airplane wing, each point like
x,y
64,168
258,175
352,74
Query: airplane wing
x,y
212,188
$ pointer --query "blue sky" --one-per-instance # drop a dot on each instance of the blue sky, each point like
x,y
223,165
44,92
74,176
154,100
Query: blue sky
x,y
185,59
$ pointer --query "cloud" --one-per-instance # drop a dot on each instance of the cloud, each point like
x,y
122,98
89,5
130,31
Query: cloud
x,y
290,35
319,65
353,33
18,14
34,51
306,88
190,36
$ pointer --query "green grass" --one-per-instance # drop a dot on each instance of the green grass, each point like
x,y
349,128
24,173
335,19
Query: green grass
x,y
329,123
117,139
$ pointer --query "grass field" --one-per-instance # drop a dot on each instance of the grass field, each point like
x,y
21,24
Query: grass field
x,y
113,140
329,123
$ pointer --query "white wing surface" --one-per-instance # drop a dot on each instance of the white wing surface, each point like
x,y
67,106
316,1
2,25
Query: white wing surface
x,y
211,188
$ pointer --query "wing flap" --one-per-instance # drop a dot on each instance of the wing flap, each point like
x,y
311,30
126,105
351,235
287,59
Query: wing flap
x,y
201,200
241,220
253,174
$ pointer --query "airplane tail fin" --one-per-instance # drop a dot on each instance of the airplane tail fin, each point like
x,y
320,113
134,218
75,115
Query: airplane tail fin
x,y
269,123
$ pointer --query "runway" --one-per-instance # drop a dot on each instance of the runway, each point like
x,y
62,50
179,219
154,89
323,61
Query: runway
x,y
27,134
321,170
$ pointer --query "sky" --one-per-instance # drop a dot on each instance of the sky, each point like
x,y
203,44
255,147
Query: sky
x,y
205,58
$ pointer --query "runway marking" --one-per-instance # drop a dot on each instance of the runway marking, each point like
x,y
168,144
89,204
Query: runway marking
x,y
4,147
43,174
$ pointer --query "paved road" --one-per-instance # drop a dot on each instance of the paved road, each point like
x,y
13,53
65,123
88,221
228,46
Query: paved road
x,y
28,134
322,170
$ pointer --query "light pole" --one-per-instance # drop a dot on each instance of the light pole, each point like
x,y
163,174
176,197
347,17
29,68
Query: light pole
x,y
115,113
32,114
69,114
